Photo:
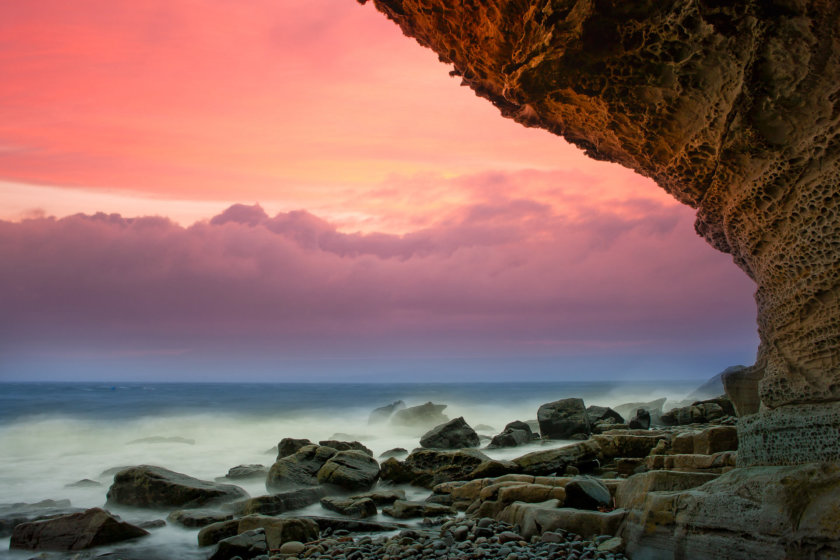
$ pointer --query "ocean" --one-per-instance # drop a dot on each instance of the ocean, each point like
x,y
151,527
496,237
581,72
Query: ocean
x,y
55,434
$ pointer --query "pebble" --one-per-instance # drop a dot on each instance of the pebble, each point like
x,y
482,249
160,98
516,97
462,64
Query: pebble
x,y
462,539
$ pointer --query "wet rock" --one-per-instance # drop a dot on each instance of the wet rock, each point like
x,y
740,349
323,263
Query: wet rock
x,y
423,416
281,502
350,470
215,532
246,546
563,419
299,469
356,508
156,487
383,413
514,434
15,514
603,413
354,525
346,446
280,530
429,466
75,531
403,509
586,492
455,434
555,461
84,483
244,472
493,468
395,452
640,420
193,518
381,497
289,446
700,412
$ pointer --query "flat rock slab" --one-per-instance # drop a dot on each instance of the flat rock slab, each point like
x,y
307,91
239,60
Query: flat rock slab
x,y
280,503
76,531
156,487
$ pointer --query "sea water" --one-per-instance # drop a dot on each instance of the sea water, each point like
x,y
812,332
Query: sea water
x,y
55,434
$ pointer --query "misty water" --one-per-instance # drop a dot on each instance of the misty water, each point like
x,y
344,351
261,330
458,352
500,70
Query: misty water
x,y
55,434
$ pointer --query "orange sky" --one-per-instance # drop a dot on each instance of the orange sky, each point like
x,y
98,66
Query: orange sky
x,y
322,105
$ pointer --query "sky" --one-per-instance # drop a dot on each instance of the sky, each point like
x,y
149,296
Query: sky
x,y
276,190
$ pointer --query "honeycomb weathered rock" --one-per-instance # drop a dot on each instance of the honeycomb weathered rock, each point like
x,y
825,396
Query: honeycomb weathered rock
x,y
732,107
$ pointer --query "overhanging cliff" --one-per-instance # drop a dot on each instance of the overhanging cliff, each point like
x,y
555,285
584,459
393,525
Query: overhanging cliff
x,y
733,108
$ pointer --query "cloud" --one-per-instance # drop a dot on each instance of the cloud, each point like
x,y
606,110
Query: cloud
x,y
510,276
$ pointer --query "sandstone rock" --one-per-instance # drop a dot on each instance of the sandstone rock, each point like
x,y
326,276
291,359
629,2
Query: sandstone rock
x,y
247,545
350,470
631,494
241,472
716,439
299,469
292,547
427,467
156,487
493,468
346,446
425,416
397,472
563,419
280,503
699,412
75,531
357,508
455,434
551,461
383,413
403,509
354,525
587,493
289,446
280,530
201,517
742,388
627,445
717,463
534,519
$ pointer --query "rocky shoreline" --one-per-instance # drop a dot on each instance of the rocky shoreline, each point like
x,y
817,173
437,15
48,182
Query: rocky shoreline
x,y
588,499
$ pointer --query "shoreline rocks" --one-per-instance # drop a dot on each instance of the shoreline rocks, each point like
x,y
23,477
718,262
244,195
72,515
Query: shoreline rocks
x,y
455,434
156,487
563,419
75,531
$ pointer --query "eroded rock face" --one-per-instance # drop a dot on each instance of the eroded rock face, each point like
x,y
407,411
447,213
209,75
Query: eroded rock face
x,y
732,107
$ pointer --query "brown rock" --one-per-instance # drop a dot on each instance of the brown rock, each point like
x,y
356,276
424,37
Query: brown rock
x,y
279,530
156,487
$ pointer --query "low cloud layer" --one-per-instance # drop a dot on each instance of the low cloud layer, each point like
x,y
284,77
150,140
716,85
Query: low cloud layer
x,y
514,277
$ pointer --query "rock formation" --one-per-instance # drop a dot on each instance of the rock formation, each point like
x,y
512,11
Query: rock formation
x,y
732,107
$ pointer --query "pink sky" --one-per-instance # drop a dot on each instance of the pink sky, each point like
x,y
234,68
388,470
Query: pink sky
x,y
399,215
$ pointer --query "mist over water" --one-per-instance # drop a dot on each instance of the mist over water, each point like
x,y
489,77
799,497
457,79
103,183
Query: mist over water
x,y
54,434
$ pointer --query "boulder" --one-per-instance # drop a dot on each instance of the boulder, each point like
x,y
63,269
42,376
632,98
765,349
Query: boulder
x,y
423,416
156,487
289,446
243,472
555,461
716,439
75,531
350,470
515,434
201,517
279,530
396,472
246,546
358,508
494,468
346,446
83,483
640,420
700,412
403,509
300,469
455,434
586,492
605,414
383,413
628,410
279,503
627,445
15,514
563,419
395,452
